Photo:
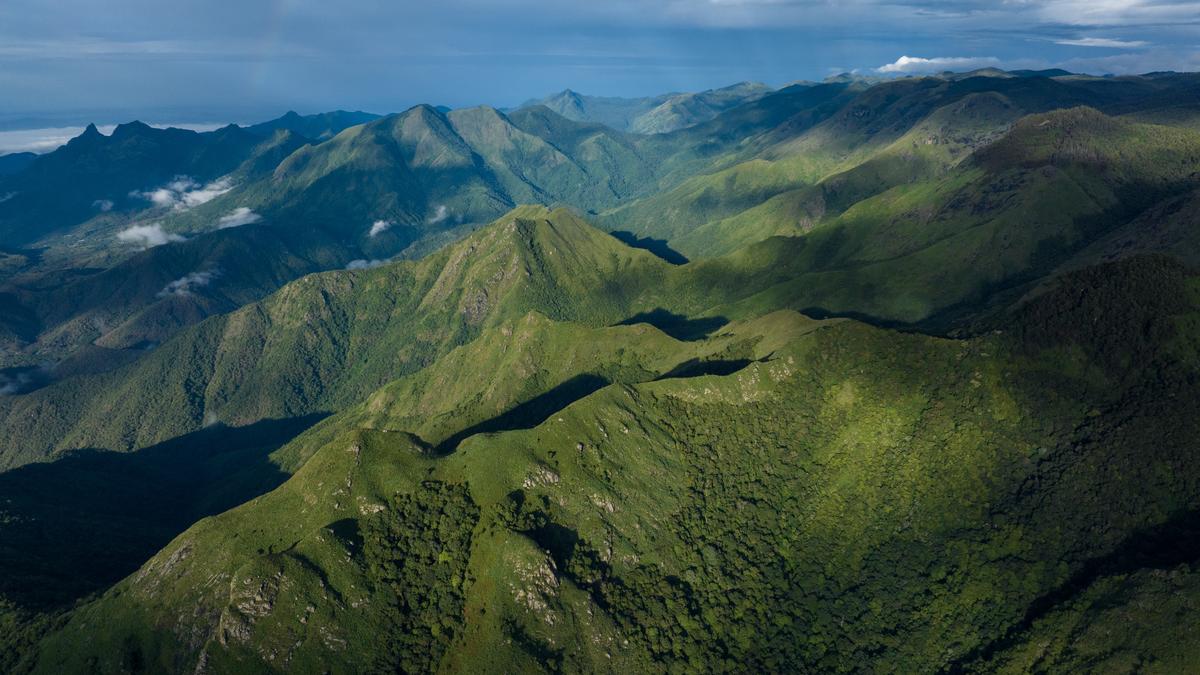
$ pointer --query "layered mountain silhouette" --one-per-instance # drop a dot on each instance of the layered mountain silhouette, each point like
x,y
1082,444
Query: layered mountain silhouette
x,y
652,114
861,375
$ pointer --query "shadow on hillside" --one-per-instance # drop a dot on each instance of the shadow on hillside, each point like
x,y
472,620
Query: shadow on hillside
x,y
820,313
530,413
698,368
1163,547
17,318
23,379
658,247
72,527
678,326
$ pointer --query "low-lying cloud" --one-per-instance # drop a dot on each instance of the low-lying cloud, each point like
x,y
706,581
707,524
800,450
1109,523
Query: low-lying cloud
x,y
148,236
910,65
236,218
183,193
48,139
22,380
365,264
440,214
103,205
40,140
14,384
379,227
186,284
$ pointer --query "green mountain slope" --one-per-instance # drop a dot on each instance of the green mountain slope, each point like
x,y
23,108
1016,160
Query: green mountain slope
x,y
651,114
423,172
780,164
860,499
87,286
1140,620
329,339
685,110
843,143
918,250
613,112
410,182
1008,216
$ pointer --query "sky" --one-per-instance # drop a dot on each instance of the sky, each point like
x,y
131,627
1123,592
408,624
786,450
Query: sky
x,y
66,62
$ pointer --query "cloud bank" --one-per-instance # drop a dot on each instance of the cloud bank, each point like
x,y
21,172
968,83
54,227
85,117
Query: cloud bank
x,y
365,264
439,214
913,65
41,140
183,193
148,236
22,380
238,217
47,139
186,284
379,227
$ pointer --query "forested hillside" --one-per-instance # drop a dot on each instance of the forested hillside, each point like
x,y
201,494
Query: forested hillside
x,y
859,376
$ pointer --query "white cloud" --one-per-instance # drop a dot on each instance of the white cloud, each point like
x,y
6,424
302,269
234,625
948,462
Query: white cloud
x,y
379,227
1103,42
183,193
240,216
188,283
906,65
103,205
41,140
162,197
22,380
365,264
10,386
14,384
47,139
207,193
440,214
7,196
148,236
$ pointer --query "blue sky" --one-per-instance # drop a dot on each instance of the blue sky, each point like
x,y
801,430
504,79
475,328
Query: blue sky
x,y
218,60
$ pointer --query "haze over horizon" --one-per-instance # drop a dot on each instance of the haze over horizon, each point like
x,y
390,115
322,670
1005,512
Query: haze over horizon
x,y
83,62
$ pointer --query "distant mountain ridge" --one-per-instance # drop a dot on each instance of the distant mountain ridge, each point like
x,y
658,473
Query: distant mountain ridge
x,y
652,114
318,127
780,164
94,174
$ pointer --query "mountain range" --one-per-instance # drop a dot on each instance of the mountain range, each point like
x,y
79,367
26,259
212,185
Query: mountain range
x,y
861,375
651,114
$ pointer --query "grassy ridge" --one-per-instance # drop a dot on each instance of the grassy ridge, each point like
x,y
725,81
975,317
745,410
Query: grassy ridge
x,y
327,340
1008,214
859,499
